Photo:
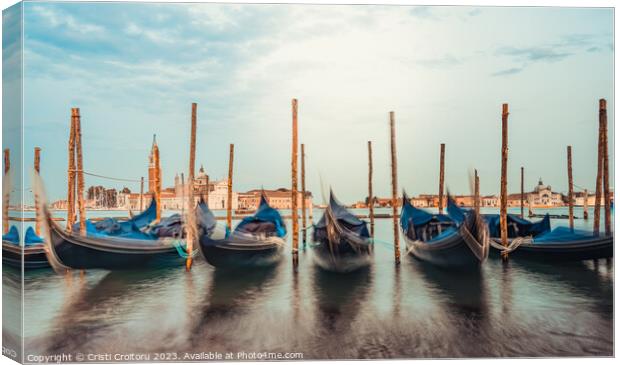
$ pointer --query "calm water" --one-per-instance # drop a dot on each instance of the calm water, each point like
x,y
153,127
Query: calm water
x,y
415,310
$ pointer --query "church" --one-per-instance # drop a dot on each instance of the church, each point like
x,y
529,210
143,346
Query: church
x,y
175,198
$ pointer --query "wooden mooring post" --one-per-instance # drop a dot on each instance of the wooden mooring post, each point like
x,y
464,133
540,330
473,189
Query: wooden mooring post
x,y
80,171
157,195
142,193
371,198
71,177
522,194
303,195
503,183
394,190
442,155
190,227
605,151
569,161
294,212
585,204
37,169
7,194
476,192
602,115
231,159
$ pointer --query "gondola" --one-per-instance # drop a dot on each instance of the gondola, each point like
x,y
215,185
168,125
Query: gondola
x,y
457,241
114,227
517,226
559,244
257,241
136,248
342,241
33,251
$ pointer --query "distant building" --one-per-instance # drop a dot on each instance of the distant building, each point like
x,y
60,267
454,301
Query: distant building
x,y
278,199
490,201
175,198
152,169
580,198
542,195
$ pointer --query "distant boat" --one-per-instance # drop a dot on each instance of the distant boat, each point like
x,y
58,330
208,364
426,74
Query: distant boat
x,y
257,241
343,242
119,249
33,251
457,241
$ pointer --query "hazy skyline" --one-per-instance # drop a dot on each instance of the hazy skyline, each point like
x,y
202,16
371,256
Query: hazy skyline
x,y
134,70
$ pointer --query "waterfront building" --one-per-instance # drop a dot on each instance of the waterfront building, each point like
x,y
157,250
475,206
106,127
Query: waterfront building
x,y
278,199
542,195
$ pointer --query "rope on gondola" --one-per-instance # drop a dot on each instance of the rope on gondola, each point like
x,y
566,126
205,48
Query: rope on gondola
x,y
180,247
512,246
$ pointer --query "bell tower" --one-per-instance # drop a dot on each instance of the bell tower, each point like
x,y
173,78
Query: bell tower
x,y
152,169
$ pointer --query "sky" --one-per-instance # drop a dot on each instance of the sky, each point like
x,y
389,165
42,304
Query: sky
x,y
134,69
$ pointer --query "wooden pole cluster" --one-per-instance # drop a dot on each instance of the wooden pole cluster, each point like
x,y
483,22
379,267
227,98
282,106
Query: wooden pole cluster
x,y
522,194
303,194
602,117
158,175
294,183
190,228
75,174
476,192
371,197
5,198
37,169
606,192
569,160
71,177
231,159
394,190
80,171
442,155
503,184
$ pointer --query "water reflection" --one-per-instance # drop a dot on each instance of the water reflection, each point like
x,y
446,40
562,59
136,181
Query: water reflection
x,y
338,298
87,309
385,311
232,295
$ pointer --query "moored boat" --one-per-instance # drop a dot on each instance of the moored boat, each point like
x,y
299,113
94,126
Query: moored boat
x,y
342,241
457,241
136,248
517,226
31,254
559,244
257,241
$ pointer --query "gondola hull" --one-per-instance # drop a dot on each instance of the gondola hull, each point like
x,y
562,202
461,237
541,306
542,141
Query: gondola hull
x,y
595,248
242,252
109,253
33,256
451,252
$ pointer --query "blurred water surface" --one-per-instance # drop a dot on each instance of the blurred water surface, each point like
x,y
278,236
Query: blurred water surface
x,y
413,310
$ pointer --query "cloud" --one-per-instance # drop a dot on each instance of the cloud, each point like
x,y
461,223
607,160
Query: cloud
x,y
558,50
534,53
508,72
475,12
56,20
422,12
